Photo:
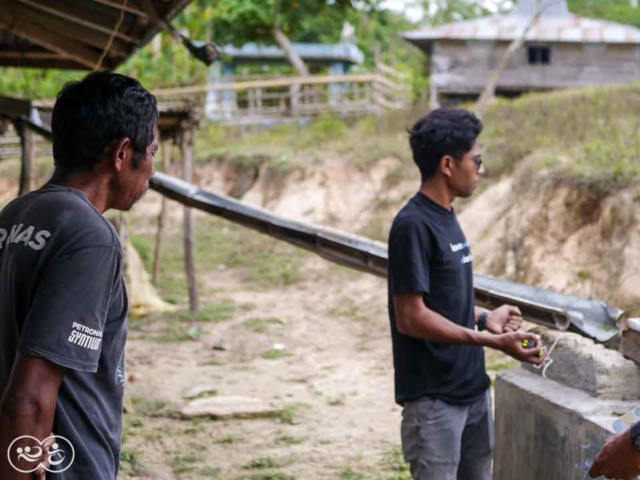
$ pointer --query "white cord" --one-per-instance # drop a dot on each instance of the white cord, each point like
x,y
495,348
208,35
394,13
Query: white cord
x,y
548,361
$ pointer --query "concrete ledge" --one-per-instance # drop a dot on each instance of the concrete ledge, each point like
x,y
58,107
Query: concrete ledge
x,y
582,364
546,430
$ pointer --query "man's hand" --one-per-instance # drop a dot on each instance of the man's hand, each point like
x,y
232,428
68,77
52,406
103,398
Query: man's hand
x,y
617,459
511,344
504,319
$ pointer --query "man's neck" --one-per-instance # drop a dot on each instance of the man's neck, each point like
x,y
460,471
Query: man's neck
x,y
438,192
86,182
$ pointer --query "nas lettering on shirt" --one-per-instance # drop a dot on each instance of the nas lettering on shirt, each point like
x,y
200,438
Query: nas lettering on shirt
x,y
29,236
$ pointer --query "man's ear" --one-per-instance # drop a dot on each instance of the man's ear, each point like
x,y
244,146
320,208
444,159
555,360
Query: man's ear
x,y
121,153
447,165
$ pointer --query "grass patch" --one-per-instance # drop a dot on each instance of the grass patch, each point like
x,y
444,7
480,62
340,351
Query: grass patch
x,y
289,440
275,354
228,439
394,461
347,308
178,333
336,401
217,362
262,462
209,471
150,407
184,463
213,313
584,274
195,428
261,325
129,461
275,269
144,247
289,413
268,476
219,247
587,135
348,473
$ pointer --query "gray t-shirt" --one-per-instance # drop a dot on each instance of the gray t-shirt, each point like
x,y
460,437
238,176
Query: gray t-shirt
x,y
63,298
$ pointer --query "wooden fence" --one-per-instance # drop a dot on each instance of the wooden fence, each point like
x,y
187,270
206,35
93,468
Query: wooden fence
x,y
295,98
272,100
11,147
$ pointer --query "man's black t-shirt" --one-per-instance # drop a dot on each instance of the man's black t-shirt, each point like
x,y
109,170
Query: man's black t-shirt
x,y
63,298
429,254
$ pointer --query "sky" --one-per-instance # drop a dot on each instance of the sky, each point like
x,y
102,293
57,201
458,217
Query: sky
x,y
414,13
405,6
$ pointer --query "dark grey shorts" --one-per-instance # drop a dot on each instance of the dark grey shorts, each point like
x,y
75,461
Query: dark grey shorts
x,y
448,442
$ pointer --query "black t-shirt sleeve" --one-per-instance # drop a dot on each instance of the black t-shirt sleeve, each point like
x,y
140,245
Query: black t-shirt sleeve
x,y
409,256
67,316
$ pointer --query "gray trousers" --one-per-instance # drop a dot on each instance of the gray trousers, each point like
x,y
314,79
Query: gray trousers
x,y
441,441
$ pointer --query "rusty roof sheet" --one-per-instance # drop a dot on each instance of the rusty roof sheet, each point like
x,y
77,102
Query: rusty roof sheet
x,y
549,28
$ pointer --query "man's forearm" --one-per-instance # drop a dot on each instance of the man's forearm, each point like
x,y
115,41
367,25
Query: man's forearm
x,y
433,327
18,417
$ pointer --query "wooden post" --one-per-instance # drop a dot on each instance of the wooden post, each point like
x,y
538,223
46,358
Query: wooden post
x,y
162,218
186,144
27,166
294,93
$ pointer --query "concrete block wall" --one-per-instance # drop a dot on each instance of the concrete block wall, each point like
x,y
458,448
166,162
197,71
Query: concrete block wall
x,y
546,430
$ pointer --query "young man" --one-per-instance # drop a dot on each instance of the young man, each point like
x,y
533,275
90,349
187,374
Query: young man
x,y
63,303
440,378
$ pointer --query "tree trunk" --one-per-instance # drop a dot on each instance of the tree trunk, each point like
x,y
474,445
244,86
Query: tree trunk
x,y
489,92
292,56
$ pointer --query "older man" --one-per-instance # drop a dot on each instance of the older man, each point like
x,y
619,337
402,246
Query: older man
x,y
63,303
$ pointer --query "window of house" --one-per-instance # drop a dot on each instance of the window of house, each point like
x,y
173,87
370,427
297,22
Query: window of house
x,y
539,55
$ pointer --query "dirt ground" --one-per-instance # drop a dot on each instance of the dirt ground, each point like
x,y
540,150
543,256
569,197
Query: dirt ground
x,y
319,349
334,381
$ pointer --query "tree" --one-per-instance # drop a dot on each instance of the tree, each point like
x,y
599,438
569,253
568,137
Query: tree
x,y
621,11
489,92
271,21
439,12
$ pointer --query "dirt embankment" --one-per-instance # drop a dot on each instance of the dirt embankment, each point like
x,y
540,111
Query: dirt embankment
x,y
528,227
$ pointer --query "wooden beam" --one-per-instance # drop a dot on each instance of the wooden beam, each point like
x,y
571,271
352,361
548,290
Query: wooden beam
x,y
70,12
78,33
29,55
127,8
71,49
15,108
56,61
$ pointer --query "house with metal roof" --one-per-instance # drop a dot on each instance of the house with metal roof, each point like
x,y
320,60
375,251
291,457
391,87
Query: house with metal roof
x,y
561,50
334,59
